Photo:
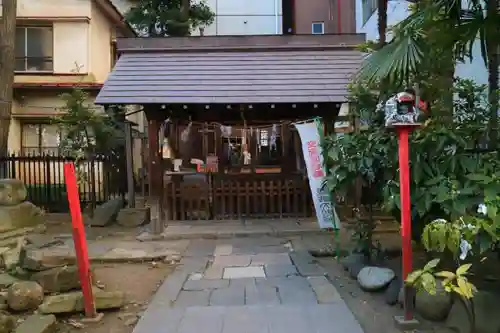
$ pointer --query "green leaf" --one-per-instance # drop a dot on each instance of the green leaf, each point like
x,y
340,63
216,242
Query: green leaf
x,y
465,287
462,270
429,283
446,275
431,264
480,178
413,277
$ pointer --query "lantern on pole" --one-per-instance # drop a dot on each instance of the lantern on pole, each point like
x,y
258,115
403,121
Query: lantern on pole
x,y
404,113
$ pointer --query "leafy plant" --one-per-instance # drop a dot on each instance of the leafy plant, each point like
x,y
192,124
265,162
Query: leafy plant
x,y
162,18
456,282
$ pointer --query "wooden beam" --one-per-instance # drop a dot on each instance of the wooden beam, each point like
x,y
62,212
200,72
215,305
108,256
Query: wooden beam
x,y
156,172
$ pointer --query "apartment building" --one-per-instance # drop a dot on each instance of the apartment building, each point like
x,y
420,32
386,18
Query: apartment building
x,y
276,17
397,10
59,45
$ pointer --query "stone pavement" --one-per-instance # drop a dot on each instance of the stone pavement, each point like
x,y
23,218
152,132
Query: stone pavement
x,y
247,228
247,285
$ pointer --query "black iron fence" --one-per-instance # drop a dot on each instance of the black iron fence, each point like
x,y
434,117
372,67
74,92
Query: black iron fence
x,y
100,178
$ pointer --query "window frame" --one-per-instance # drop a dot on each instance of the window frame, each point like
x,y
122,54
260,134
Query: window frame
x,y
38,150
368,8
50,59
320,23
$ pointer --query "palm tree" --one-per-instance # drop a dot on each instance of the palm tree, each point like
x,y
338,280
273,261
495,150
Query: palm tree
x,y
449,26
382,22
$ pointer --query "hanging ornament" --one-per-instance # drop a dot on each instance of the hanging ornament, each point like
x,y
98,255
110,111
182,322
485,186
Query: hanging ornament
x,y
274,135
226,130
185,133
247,157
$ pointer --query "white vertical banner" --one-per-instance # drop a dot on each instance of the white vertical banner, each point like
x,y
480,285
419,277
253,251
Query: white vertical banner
x,y
316,172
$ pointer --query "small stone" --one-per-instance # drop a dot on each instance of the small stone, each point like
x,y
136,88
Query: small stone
x,y
375,278
24,295
392,292
73,301
6,280
433,307
38,324
133,217
58,279
106,213
7,322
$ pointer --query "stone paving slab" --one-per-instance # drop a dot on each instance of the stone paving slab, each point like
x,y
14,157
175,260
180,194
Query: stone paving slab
x,y
113,251
325,318
222,293
231,230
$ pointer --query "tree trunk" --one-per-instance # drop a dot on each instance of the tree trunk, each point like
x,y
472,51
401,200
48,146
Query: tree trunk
x,y
7,66
492,49
382,22
186,5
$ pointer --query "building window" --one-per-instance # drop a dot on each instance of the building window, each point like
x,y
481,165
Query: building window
x,y
34,49
369,7
318,28
40,139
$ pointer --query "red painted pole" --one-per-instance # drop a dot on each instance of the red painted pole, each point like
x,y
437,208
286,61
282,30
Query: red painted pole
x,y
404,187
79,240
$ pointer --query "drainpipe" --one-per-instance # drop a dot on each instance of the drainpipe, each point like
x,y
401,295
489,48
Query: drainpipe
x,y
276,16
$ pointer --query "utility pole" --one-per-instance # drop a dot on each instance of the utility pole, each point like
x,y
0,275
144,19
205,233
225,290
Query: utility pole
x,y
7,66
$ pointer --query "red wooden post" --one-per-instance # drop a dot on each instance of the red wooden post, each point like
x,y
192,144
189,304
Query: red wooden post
x,y
404,187
79,240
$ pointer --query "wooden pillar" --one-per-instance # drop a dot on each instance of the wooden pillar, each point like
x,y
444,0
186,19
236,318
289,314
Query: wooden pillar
x,y
130,164
155,172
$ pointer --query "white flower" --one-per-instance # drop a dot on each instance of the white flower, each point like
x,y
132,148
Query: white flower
x,y
482,209
465,248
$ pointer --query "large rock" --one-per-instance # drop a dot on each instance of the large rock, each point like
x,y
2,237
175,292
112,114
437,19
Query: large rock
x,y
58,279
73,302
38,324
106,213
7,322
24,295
433,307
12,192
486,309
133,217
392,291
353,259
375,278
18,216
34,259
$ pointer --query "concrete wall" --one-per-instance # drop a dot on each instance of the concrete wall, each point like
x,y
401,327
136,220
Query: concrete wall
x,y
397,11
52,8
245,17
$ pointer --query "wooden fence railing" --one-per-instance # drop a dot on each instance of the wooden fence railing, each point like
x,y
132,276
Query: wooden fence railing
x,y
242,196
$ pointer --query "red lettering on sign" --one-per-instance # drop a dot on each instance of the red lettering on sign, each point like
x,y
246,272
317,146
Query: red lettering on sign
x,y
315,159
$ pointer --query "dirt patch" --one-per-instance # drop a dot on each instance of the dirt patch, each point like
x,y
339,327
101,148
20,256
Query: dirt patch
x,y
139,281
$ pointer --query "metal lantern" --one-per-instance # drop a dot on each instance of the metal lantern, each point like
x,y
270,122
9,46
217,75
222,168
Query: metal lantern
x,y
404,109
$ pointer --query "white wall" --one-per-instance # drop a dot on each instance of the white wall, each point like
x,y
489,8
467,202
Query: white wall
x,y
245,17
397,10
